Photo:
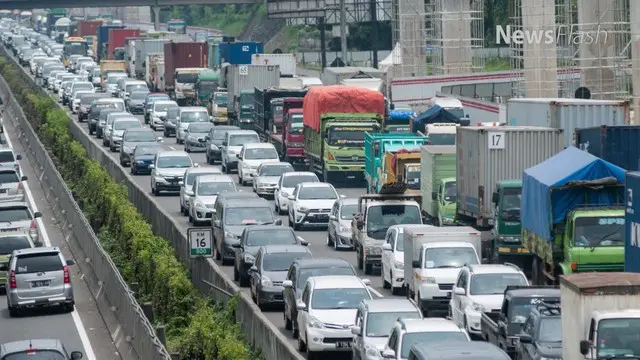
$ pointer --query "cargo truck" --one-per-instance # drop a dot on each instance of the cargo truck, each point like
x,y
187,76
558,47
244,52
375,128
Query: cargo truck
x,y
185,81
288,137
333,75
438,184
241,81
567,114
506,239
377,171
218,107
88,28
618,145
245,110
177,26
153,64
117,39
335,121
603,318
268,105
190,56
103,40
433,257
206,84
239,52
61,29
572,215
54,15
287,62
401,166
398,121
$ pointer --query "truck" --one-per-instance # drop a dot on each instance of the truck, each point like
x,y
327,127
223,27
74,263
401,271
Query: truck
x,y
432,260
604,311
506,232
268,105
567,114
289,141
54,15
177,26
572,216
616,144
367,82
438,184
103,39
333,75
335,121
398,120
61,29
375,214
239,52
191,57
152,46
218,107
376,147
74,46
185,81
117,39
436,115
152,68
287,62
241,81
501,328
206,84
88,28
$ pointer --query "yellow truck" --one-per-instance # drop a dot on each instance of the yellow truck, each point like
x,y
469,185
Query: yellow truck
x,y
110,66
401,167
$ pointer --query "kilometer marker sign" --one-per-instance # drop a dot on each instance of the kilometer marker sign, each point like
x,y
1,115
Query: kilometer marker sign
x,y
200,242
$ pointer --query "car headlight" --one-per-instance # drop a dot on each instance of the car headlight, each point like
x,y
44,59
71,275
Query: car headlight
x,y
246,166
478,307
229,235
315,323
284,194
199,204
127,149
398,265
249,259
266,281
344,228
372,352
302,209
428,280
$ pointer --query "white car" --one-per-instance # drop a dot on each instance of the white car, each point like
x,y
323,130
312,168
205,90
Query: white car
x,y
186,188
393,259
310,204
251,156
286,184
205,190
188,115
407,332
231,146
111,117
159,112
339,233
480,288
327,310
167,170
267,175
75,99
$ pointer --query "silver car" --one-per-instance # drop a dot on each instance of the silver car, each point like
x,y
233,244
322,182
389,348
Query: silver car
x,y
339,228
268,175
196,137
15,349
206,189
188,115
9,159
187,185
11,186
167,170
106,129
158,113
118,128
39,277
17,216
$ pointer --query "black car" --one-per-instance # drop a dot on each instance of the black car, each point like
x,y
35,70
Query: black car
x,y
134,137
135,102
170,121
541,334
143,156
214,141
86,100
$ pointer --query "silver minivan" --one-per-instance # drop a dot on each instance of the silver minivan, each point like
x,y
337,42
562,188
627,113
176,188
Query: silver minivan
x,y
11,186
38,277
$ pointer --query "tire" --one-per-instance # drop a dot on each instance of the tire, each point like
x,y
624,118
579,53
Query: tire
x,y
244,280
156,192
302,347
329,241
13,312
236,275
360,259
69,308
287,322
385,283
295,333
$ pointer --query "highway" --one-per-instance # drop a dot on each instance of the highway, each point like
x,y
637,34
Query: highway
x,y
83,329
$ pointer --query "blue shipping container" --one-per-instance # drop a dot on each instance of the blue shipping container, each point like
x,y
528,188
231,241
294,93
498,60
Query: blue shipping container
x,y
632,223
239,53
619,145
103,37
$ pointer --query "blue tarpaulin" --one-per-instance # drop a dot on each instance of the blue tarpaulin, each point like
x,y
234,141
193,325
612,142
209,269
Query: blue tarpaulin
x,y
565,168
434,114
401,114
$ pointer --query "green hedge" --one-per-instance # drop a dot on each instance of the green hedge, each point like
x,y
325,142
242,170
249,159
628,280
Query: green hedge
x,y
196,328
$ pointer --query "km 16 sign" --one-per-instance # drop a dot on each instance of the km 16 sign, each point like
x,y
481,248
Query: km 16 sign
x,y
200,242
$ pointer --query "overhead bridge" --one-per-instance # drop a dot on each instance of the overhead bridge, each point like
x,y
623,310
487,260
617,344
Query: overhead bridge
x,y
42,4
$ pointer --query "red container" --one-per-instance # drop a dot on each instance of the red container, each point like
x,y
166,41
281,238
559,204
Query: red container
x,y
88,27
117,37
183,55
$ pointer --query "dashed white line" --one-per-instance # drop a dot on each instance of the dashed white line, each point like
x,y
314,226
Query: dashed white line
x,y
375,292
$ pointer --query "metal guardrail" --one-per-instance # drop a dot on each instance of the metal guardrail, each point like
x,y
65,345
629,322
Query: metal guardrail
x,y
139,331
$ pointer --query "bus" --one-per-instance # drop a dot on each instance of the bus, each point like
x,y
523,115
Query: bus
x,y
177,26
74,46
5,14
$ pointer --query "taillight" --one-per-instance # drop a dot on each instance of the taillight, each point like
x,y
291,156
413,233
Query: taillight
x,y
66,275
12,280
34,225
20,187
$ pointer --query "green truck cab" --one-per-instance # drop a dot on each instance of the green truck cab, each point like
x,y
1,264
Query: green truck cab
x,y
246,110
506,239
438,184
206,83
572,216
336,151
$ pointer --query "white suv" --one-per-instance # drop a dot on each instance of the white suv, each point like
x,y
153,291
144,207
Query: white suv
x,y
407,332
310,204
253,155
286,184
393,259
480,288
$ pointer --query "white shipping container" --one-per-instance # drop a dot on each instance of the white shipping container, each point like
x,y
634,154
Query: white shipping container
x,y
582,294
149,74
291,83
145,47
487,155
311,81
287,62
248,77
567,114
333,75
161,78
371,84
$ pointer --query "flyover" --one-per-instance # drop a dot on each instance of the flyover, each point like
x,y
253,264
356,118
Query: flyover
x,y
43,4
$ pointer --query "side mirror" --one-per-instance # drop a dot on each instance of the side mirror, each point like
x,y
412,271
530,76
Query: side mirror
x,y
434,195
160,139
459,291
360,224
355,330
224,143
253,269
342,196
301,306
333,217
526,339
180,183
196,165
291,197
415,264
278,222
207,138
236,246
76,355
238,156
37,214
24,178
494,198
585,345
152,166
18,157
216,223
388,354
386,247
287,283
71,262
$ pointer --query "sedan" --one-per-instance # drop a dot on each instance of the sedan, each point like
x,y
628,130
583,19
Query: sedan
x,y
11,186
196,134
267,176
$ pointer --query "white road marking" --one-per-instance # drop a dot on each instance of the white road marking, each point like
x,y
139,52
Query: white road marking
x,y
375,292
86,344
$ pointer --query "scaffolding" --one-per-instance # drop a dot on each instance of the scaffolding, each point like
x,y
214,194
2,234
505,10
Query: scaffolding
x,y
566,47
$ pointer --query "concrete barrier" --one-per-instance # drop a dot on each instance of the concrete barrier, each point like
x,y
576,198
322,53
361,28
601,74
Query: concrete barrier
x,y
259,331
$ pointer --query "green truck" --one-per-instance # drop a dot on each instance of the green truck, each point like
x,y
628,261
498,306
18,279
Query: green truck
x,y
506,241
206,83
438,184
247,111
572,214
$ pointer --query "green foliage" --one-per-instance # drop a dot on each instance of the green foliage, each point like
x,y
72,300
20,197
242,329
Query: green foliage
x,y
196,329
229,18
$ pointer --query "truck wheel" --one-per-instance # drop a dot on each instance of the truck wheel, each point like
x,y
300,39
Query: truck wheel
x,y
360,260
385,284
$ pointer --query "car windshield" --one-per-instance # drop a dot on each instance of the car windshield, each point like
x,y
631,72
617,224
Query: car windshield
x,y
192,176
296,125
449,257
306,273
347,212
239,140
88,99
510,204
173,113
39,355
550,330
594,231
249,215
131,88
12,214
220,99
140,136
10,243
78,87
494,284
271,237
274,170
7,177
215,188
146,150
381,217
260,154
282,261
187,78
174,161
138,95
520,308
200,128
164,107
41,262
410,339
317,193
379,324
292,181
194,116
450,191
344,298
114,79
126,124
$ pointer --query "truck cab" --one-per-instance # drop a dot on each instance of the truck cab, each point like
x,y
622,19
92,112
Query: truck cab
x,y
184,85
218,107
441,133
246,109
445,201
506,232
206,84
411,176
397,121
293,137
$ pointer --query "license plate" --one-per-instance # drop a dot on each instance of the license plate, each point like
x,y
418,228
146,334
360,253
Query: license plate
x,y
449,294
343,344
9,229
40,283
322,217
3,191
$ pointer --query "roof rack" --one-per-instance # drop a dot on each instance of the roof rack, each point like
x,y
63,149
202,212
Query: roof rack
x,y
550,307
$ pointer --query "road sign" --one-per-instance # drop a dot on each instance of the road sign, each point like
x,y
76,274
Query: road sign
x,y
200,241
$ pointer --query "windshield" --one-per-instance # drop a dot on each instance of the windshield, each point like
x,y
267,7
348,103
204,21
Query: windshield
x,y
246,101
6,156
277,111
617,337
76,48
220,100
138,95
123,125
292,181
348,211
510,206
7,177
348,136
10,243
271,237
194,116
410,339
317,193
550,330
239,140
251,215
494,284
329,299
261,154
140,136
453,257
413,175
215,188
599,231
164,107
113,79
200,128
305,274
296,125
135,87
186,78
380,324
274,170
88,99
11,214
39,355
78,87
450,191
189,180
457,112
381,217
442,139
146,150
282,261
174,161
520,308
172,113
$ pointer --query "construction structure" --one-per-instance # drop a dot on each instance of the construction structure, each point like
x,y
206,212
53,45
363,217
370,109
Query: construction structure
x,y
593,38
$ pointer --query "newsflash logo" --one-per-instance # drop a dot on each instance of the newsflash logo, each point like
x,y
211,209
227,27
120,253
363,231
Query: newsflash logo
x,y
574,35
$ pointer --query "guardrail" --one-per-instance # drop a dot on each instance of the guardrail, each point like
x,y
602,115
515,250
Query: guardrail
x,y
112,293
205,273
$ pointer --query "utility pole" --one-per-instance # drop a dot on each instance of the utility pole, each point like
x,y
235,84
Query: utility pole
x,y
343,31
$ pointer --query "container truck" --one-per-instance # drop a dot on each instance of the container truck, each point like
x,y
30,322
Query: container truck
x,y
103,39
109,66
438,184
241,81
430,274
117,38
130,56
239,53
572,215
289,140
506,240
54,15
206,84
268,104
185,55
88,28
287,62
618,145
218,107
335,121
61,29
567,114
152,46
377,166
333,75
632,221
152,62
398,120
185,81
603,317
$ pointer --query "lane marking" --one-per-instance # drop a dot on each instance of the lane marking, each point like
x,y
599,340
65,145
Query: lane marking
x,y
375,292
82,333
